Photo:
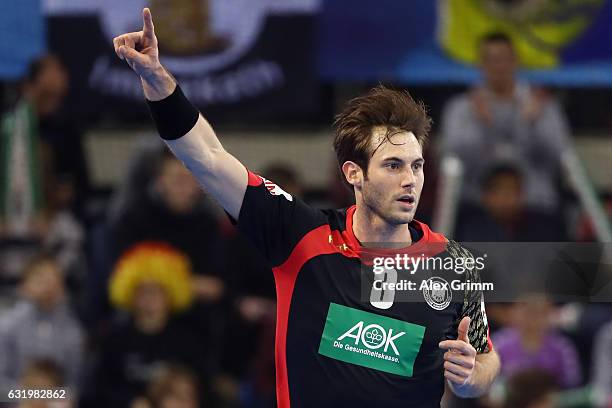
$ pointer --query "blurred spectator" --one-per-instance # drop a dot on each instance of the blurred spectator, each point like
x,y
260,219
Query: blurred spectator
x,y
503,215
503,119
531,389
58,233
260,390
38,174
38,142
175,211
253,306
602,366
152,282
45,89
531,342
135,186
44,375
585,230
41,326
102,250
172,386
24,164
65,235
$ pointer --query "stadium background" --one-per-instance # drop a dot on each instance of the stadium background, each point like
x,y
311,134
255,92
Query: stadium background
x,y
269,75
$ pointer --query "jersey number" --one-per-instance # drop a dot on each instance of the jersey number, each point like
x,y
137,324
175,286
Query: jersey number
x,y
381,296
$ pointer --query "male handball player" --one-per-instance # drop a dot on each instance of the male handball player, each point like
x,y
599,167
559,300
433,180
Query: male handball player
x,y
333,348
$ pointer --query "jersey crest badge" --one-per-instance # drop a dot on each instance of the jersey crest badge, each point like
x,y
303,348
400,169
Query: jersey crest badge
x,y
437,293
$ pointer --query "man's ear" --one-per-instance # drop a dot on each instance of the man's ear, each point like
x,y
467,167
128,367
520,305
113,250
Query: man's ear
x,y
352,173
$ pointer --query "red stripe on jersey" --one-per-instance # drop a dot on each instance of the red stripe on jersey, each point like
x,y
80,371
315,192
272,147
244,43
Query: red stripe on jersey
x,y
254,179
432,243
316,242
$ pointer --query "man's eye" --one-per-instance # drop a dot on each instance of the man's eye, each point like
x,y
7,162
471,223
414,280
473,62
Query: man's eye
x,y
393,166
417,166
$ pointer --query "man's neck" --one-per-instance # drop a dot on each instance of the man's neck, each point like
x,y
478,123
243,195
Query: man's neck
x,y
370,228
503,90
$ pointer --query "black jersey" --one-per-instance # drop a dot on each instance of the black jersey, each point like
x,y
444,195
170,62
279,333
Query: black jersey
x,y
333,347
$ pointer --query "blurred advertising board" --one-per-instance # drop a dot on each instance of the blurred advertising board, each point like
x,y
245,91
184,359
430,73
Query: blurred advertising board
x,y
235,59
429,42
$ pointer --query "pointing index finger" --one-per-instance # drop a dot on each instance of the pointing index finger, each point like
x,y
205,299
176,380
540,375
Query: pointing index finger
x,y
147,23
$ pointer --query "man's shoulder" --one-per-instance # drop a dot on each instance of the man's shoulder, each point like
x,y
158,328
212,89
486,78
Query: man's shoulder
x,y
334,217
429,234
472,259
458,249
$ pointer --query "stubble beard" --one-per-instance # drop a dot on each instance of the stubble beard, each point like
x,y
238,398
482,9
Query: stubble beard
x,y
374,204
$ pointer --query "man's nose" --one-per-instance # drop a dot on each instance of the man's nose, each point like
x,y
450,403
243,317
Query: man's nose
x,y
408,179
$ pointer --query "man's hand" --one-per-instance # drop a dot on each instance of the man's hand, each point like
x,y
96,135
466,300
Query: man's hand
x,y
460,357
139,49
220,173
468,374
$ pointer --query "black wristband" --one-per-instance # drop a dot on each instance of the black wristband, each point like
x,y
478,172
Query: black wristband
x,y
174,115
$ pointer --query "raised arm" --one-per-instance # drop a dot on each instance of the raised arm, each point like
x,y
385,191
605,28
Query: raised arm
x,y
185,131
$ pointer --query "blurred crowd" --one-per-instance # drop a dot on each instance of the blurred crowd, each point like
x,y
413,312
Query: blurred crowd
x,y
160,303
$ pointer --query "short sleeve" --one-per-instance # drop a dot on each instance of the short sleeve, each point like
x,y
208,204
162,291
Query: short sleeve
x,y
474,306
273,220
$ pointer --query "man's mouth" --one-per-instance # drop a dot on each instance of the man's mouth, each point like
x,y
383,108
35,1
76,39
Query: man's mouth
x,y
408,199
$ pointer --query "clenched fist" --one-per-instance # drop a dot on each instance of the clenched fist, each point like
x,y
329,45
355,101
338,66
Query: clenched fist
x,y
139,49
460,356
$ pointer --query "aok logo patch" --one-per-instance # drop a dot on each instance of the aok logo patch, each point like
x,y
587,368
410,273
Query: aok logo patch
x,y
371,340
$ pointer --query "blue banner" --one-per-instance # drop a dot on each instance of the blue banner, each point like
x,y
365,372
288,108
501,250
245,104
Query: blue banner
x,y
22,36
565,43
